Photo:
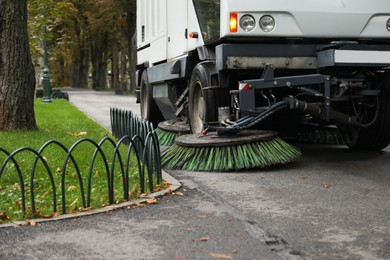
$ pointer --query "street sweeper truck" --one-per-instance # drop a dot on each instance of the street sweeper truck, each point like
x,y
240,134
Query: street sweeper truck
x,y
230,65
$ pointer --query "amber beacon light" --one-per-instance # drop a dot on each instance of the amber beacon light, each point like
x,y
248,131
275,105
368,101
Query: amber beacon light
x,y
233,22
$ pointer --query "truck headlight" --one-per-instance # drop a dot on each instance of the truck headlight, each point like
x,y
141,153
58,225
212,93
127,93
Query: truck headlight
x,y
267,23
388,25
247,23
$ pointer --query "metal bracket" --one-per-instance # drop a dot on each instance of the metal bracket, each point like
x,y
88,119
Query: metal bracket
x,y
268,81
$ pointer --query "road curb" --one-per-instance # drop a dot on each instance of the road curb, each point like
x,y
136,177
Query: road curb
x,y
173,186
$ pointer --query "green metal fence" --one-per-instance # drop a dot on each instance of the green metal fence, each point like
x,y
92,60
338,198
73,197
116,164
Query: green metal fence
x,y
135,139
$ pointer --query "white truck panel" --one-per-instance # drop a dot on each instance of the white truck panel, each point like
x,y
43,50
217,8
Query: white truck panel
x,y
153,54
366,57
151,30
161,26
177,24
193,26
313,18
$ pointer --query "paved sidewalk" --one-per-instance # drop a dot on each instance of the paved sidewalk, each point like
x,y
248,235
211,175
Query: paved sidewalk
x,y
97,104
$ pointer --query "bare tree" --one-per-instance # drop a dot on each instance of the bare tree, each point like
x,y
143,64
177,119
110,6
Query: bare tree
x,y
17,76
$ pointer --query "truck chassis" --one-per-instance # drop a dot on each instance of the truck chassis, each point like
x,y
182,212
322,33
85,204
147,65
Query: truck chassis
x,y
275,83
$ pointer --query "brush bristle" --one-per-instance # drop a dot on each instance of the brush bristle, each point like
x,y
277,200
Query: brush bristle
x,y
165,138
259,154
313,135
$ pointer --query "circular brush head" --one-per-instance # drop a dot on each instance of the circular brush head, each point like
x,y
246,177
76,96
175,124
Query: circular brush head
x,y
168,130
245,150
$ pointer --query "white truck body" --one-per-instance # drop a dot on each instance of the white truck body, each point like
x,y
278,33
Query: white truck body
x,y
162,23
192,55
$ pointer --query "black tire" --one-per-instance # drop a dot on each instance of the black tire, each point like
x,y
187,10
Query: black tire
x,y
149,108
201,103
377,136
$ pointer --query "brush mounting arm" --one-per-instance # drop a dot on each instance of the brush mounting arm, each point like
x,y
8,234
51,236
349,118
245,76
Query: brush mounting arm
x,y
319,112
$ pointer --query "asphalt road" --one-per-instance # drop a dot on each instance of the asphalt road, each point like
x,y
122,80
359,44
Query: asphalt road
x,y
332,203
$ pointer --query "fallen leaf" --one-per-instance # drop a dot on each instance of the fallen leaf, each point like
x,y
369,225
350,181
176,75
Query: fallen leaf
x,y
70,188
74,202
304,177
326,185
152,201
365,190
44,195
221,256
157,188
43,215
30,222
58,170
4,216
178,193
56,214
168,192
82,133
204,239
203,217
177,257
233,252
143,195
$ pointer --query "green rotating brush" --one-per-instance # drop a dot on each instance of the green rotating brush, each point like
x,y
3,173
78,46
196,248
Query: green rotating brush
x,y
167,131
245,150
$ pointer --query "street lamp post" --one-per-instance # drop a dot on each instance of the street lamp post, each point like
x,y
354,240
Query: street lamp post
x,y
46,77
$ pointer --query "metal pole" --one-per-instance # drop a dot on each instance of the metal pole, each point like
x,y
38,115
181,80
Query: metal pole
x,y
46,77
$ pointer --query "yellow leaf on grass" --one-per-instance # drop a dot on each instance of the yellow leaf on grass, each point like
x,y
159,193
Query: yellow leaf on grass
x,y
70,188
74,202
204,239
4,216
44,195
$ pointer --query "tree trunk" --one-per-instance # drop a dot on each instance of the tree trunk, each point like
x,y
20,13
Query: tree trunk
x,y
115,66
80,68
123,67
17,75
131,28
99,58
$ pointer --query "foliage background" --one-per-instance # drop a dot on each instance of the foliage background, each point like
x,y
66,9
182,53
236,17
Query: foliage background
x,y
89,42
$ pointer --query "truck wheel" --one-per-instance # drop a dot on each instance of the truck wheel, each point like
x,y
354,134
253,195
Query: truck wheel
x,y
377,136
149,109
201,108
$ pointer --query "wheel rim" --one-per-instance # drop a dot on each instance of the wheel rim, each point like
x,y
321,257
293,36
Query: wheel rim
x,y
198,110
144,101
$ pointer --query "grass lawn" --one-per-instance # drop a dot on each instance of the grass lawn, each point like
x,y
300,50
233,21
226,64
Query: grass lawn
x,y
59,121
